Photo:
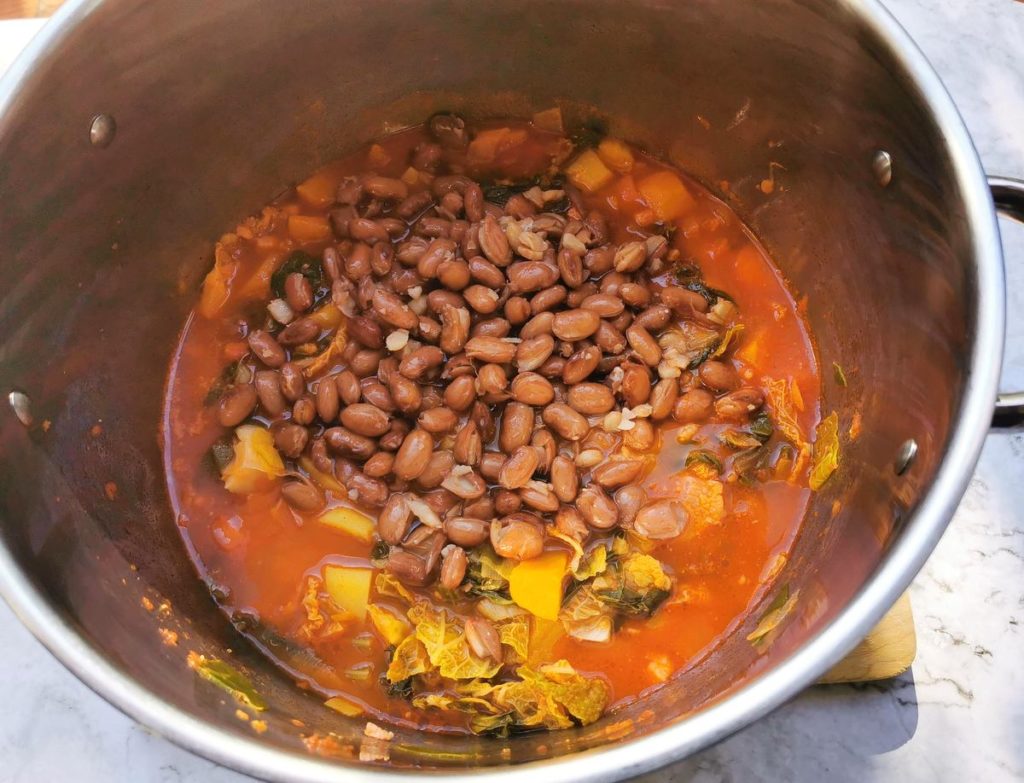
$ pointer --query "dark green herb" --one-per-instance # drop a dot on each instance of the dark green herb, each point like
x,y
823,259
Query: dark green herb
x,y
222,452
762,428
627,601
840,376
379,554
700,457
738,439
712,295
221,384
747,463
297,262
589,133
395,690
500,192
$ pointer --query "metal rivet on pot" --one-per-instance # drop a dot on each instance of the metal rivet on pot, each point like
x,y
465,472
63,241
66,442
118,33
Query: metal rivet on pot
x,y
881,164
102,130
20,405
905,456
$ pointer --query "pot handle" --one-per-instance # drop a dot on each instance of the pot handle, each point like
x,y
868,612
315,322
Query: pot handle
x,y
1008,195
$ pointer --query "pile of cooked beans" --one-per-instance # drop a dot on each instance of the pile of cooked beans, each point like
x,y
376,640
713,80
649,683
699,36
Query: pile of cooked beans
x,y
506,367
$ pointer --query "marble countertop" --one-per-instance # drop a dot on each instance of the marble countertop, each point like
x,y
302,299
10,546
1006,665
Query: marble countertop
x,y
957,715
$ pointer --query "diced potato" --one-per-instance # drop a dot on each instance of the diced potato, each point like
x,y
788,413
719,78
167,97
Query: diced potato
x,y
549,120
536,585
389,625
350,521
410,176
666,195
256,463
344,706
616,155
319,190
588,172
349,588
308,228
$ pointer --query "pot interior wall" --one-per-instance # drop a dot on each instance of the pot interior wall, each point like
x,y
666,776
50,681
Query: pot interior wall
x,y
221,106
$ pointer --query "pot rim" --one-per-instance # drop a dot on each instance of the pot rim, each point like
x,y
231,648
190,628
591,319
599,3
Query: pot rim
x,y
754,700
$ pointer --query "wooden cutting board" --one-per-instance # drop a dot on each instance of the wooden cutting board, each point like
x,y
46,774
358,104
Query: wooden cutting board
x,y
887,651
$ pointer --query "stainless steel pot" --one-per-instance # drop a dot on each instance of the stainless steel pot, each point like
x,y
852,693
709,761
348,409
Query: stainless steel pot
x,y
133,133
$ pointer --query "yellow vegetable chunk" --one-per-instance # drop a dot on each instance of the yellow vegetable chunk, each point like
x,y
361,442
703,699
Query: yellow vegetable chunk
x,y
326,317
349,588
344,706
549,120
488,144
323,480
536,585
256,461
616,154
666,195
308,228
319,190
217,284
588,172
350,521
389,625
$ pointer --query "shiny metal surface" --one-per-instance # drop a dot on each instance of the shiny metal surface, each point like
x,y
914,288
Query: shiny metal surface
x,y
221,105
1008,195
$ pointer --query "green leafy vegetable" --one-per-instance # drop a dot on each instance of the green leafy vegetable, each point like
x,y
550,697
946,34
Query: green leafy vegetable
x,y
769,626
731,334
487,574
515,634
444,640
738,439
227,678
840,376
747,463
552,696
297,262
703,463
637,586
780,395
762,427
826,451
585,616
408,659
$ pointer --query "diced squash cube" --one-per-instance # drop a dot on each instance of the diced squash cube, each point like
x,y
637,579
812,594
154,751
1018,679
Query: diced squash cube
x,y
489,144
666,195
588,172
549,120
616,154
319,190
349,588
536,585
349,521
256,462
308,228
388,624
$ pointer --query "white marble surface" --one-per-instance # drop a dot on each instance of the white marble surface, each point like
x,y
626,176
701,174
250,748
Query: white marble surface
x,y
958,716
